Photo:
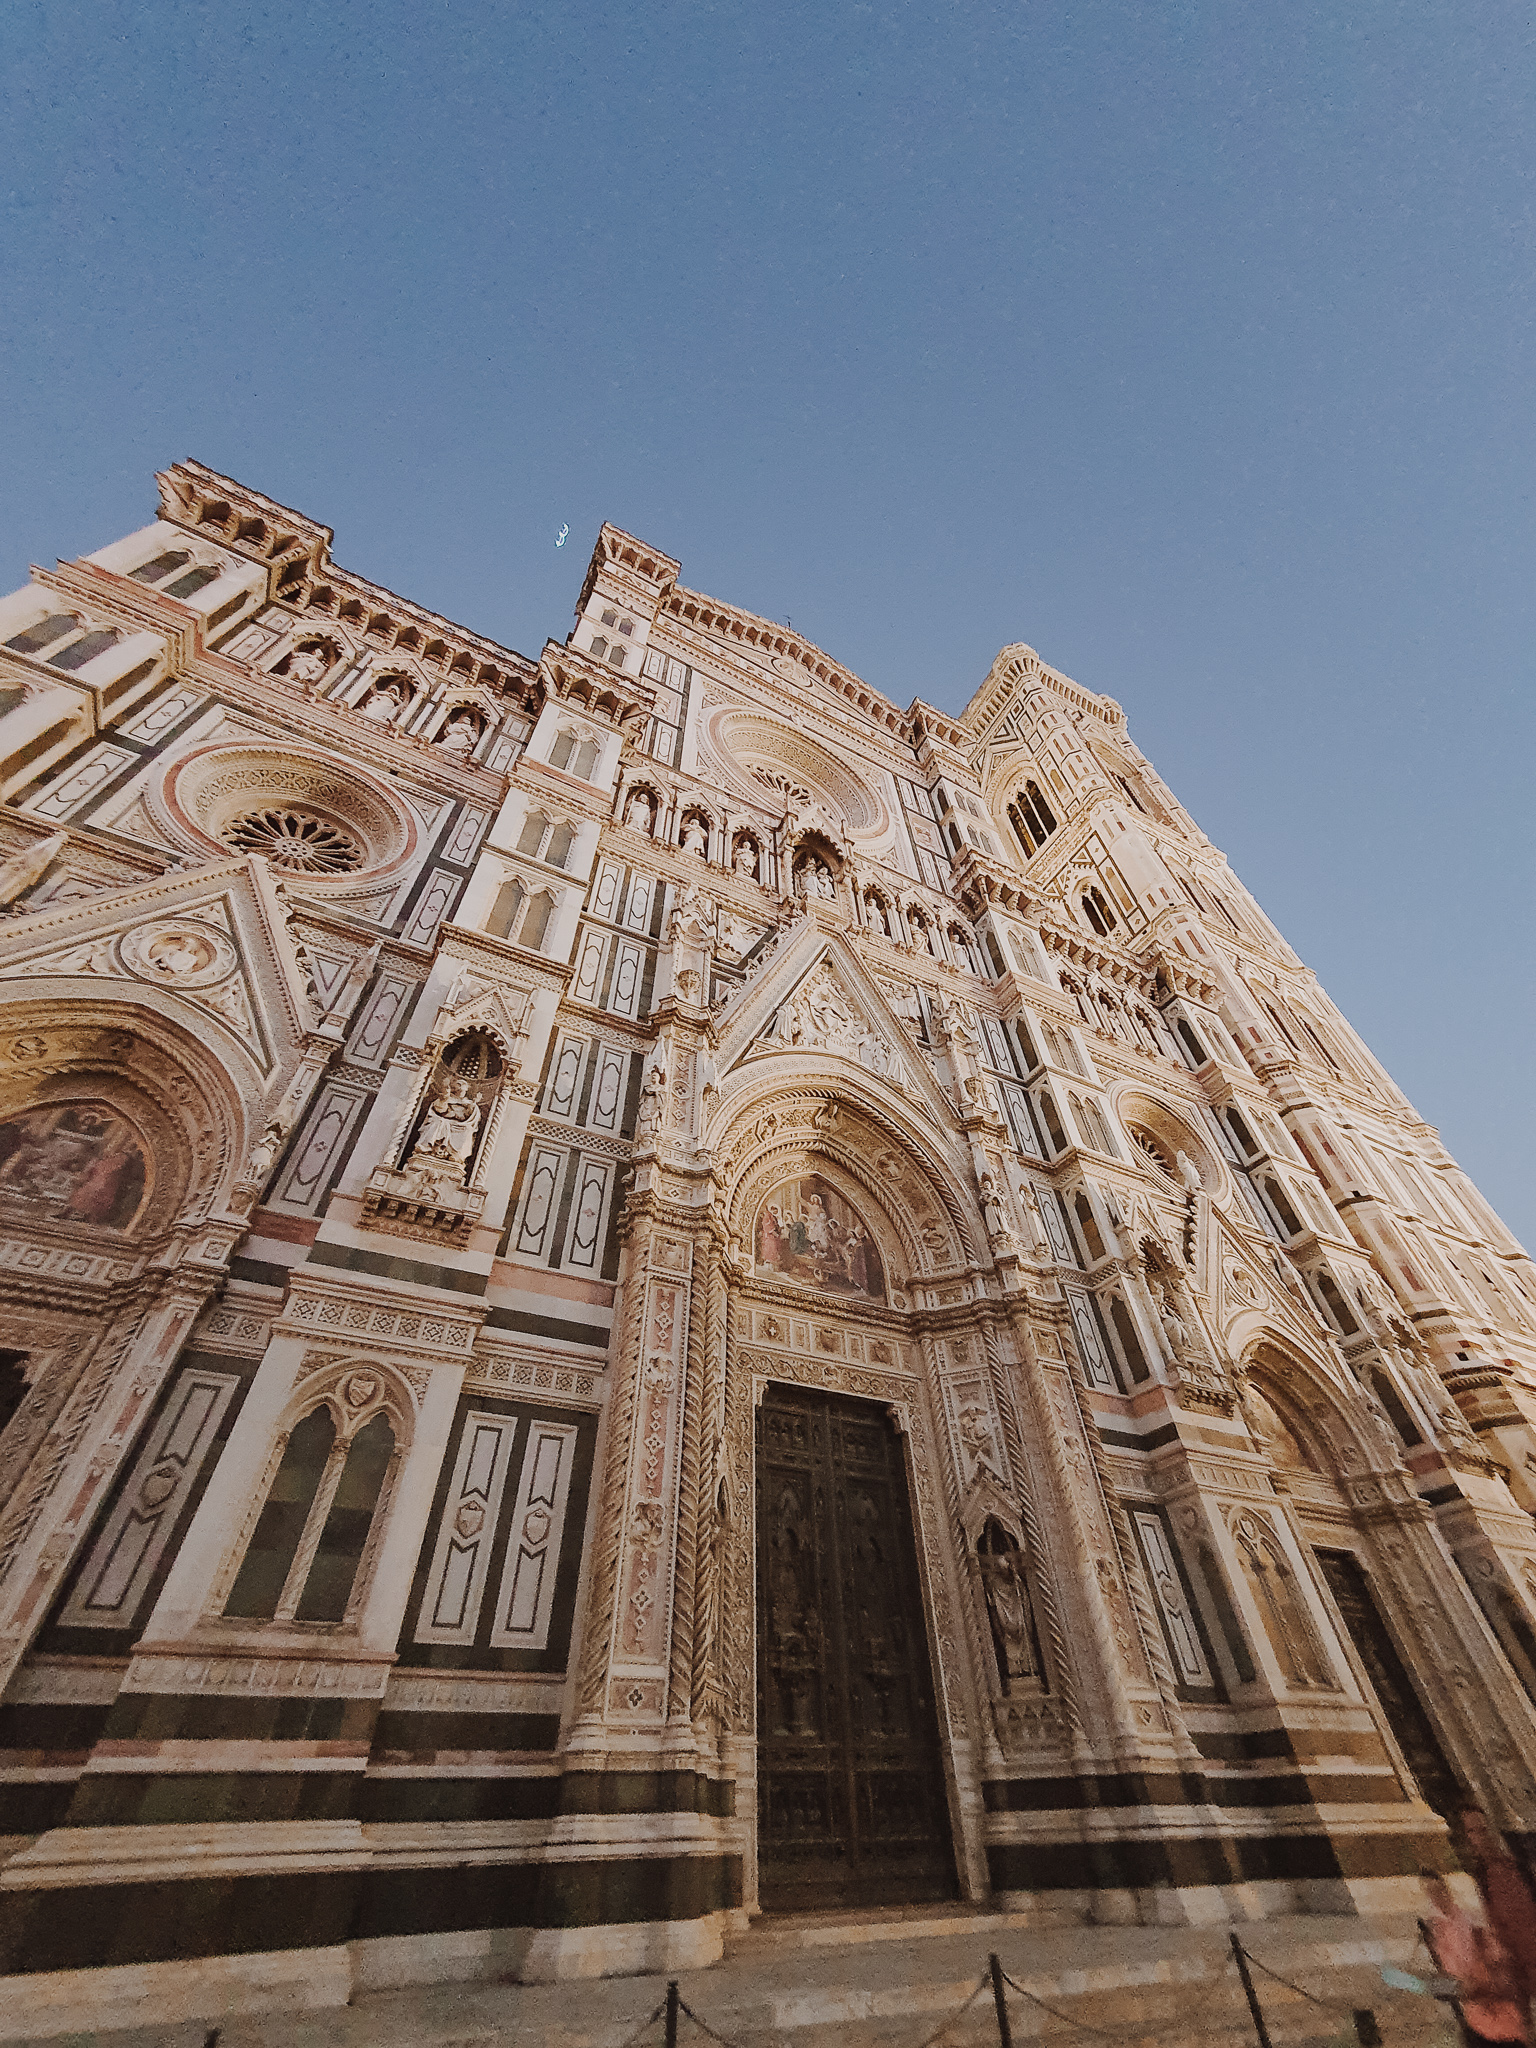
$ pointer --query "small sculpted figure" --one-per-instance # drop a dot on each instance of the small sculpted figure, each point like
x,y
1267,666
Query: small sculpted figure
x,y
447,1136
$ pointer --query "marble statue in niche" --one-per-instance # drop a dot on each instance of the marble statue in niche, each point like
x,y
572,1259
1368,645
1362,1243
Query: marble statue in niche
x,y
461,735
446,1141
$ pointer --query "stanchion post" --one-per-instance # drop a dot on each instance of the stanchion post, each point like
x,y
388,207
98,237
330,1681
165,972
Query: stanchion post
x,y
672,2014
1252,1996
999,1999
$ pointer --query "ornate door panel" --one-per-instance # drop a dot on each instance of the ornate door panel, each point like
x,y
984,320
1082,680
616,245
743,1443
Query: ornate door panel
x,y
851,1802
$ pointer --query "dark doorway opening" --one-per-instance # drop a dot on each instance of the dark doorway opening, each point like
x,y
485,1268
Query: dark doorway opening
x,y
1405,1713
851,1801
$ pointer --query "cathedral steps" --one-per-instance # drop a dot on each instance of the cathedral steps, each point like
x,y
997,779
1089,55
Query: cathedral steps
x,y
881,1980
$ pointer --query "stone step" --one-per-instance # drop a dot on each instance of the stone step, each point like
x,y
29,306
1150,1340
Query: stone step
x,y
872,1980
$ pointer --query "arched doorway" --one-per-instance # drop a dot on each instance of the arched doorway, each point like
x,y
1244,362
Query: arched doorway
x,y
1315,1448
851,1798
847,1633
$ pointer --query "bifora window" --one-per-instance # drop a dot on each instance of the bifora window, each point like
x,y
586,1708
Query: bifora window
x,y
1032,817
302,1560
295,839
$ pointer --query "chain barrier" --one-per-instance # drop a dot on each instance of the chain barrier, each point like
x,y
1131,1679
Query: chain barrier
x,y
1327,2004
983,1984
674,2003
644,2027
1138,2028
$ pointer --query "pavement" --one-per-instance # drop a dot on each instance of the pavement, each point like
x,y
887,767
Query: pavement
x,y
903,1981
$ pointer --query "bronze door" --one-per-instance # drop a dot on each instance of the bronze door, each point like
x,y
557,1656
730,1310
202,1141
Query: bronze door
x,y
1400,1703
851,1805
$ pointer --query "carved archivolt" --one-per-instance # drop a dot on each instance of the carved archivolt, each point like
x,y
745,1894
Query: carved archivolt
x,y
171,1092
922,1222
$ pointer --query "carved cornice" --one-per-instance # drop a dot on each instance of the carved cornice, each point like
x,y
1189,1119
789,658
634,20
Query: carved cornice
x,y
501,958
594,688
768,638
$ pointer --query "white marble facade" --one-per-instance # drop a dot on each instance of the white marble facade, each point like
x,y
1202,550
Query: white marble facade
x,y
445,1093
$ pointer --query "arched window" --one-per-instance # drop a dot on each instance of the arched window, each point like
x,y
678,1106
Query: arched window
x,y
1088,1224
531,838
584,760
303,1557
1101,1130
1026,1045
507,909
560,753
161,566
1098,913
267,1564
1396,1407
1048,1110
44,633
1032,818
1321,1045
1130,1342
1334,1301
1242,1136
1289,1221
79,652
599,648
536,924
328,1584
190,584
1196,1051
995,955
1278,1021
558,851
615,656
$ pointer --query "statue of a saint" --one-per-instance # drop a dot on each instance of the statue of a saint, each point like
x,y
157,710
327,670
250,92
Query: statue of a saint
x,y
21,870
1174,1329
695,838
1189,1173
653,1095
307,664
992,1209
460,735
266,1148
1008,1610
637,812
745,862
447,1136
383,703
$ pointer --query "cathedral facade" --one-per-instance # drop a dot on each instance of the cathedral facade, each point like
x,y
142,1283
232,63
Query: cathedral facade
x,y
639,1287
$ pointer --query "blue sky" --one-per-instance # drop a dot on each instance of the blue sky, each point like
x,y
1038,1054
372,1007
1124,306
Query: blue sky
x,y
1188,343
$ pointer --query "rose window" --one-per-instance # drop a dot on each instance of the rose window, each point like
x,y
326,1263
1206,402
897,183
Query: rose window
x,y
1147,1143
295,839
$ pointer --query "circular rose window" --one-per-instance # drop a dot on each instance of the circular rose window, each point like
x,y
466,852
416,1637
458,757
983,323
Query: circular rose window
x,y
295,839
1145,1142
309,815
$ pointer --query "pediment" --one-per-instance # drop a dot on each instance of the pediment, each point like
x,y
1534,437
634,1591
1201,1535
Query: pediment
x,y
821,1001
211,947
